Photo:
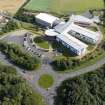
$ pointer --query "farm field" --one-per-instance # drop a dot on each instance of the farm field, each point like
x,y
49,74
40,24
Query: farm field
x,y
11,5
63,6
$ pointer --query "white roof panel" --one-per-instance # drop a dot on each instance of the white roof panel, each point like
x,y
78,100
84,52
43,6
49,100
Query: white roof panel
x,y
86,32
79,18
51,32
46,17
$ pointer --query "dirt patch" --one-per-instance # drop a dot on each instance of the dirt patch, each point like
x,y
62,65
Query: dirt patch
x,y
11,5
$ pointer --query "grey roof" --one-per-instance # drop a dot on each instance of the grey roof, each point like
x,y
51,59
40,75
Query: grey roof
x,y
61,27
88,15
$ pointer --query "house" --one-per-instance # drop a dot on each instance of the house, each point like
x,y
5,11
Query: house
x,y
47,20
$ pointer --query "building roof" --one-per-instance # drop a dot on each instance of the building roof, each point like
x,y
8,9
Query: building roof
x,y
61,27
80,18
71,26
51,32
70,40
86,32
46,17
88,15
75,43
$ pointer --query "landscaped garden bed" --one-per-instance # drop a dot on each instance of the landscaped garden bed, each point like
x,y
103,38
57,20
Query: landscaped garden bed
x,y
46,81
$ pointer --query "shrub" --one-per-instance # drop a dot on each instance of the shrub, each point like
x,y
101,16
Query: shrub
x,y
23,60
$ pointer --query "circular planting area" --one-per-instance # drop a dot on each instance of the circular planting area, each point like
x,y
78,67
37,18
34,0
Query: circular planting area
x,y
45,81
42,43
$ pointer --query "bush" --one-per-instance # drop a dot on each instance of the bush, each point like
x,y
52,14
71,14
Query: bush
x,y
23,60
11,25
23,17
63,64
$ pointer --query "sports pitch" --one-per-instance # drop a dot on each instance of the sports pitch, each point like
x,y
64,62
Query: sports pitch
x,y
63,6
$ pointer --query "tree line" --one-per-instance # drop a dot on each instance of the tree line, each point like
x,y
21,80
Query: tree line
x,y
88,89
14,90
11,25
18,57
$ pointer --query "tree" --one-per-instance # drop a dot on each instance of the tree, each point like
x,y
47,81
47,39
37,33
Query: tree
x,y
14,90
86,89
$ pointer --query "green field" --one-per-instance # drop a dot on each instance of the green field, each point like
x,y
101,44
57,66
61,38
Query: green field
x,y
63,6
41,42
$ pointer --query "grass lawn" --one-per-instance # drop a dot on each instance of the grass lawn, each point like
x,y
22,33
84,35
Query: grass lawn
x,y
63,6
41,42
38,5
39,99
46,81
43,45
92,28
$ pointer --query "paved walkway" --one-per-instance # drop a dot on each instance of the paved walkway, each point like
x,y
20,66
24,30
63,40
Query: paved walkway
x,y
32,77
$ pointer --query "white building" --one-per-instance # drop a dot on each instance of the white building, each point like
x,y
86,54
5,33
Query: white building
x,y
81,33
73,44
69,33
47,20
70,42
82,20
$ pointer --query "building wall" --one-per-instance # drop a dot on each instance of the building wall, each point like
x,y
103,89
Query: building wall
x,y
43,23
78,52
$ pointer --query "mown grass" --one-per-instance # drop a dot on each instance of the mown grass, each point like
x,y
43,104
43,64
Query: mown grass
x,y
63,6
41,42
46,81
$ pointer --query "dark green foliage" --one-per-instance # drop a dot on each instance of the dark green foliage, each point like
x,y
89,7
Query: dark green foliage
x,y
63,64
103,45
11,25
88,89
38,40
23,17
13,89
23,60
